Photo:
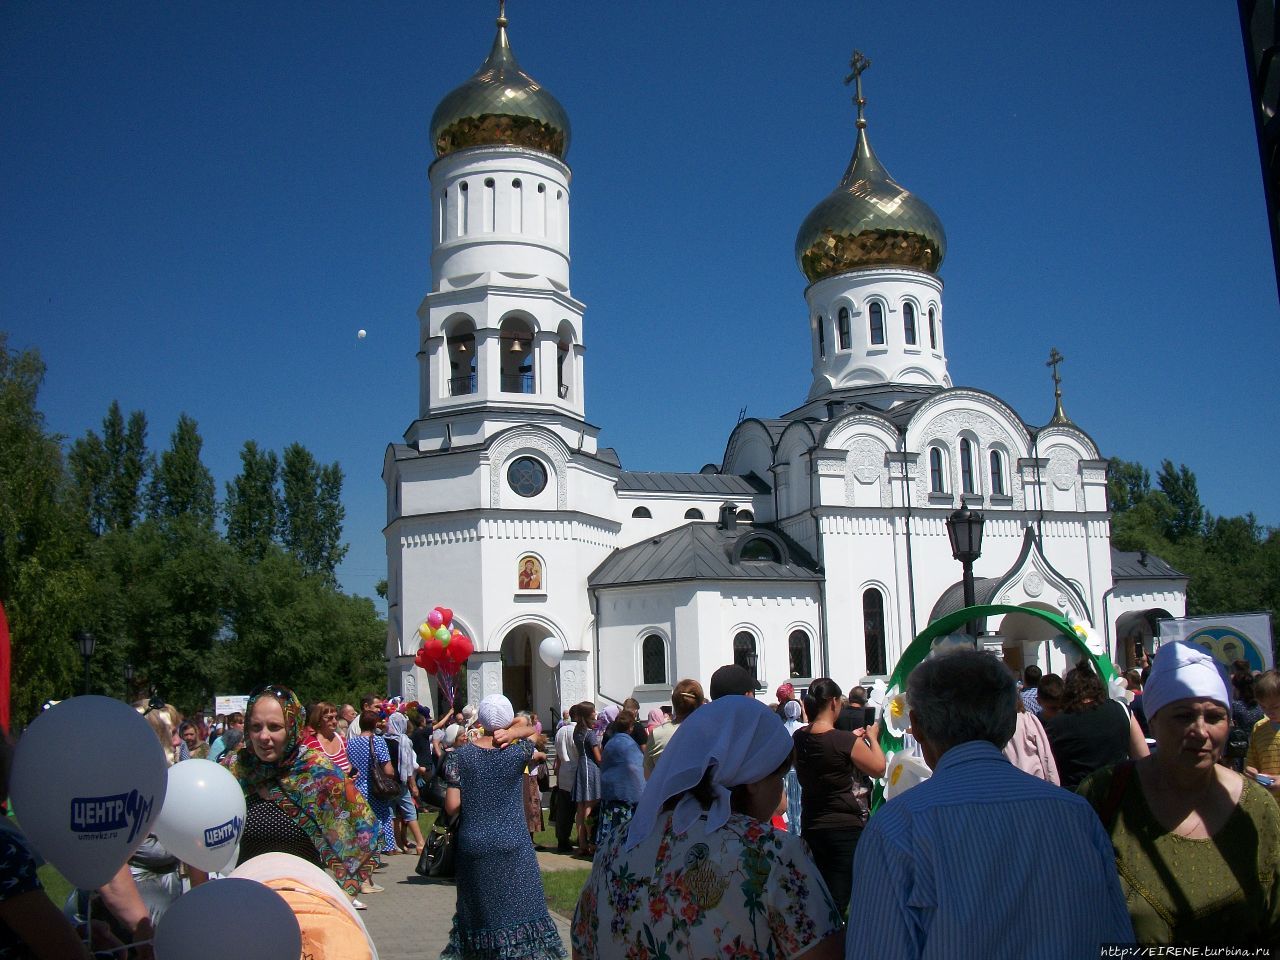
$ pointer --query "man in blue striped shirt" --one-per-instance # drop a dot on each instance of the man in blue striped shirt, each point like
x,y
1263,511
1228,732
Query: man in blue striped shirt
x,y
981,860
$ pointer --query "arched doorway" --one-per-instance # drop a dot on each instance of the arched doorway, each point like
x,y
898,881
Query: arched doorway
x,y
526,681
1029,640
1135,633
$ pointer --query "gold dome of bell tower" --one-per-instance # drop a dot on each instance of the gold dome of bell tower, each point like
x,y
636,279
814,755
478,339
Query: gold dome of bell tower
x,y
869,220
500,105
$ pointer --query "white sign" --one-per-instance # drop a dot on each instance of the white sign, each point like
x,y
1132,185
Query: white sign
x,y
1228,637
233,703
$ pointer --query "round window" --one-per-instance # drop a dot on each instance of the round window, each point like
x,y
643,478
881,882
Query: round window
x,y
527,476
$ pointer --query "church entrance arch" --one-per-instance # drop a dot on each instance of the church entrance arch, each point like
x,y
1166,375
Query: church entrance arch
x,y
1135,637
1030,640
526,681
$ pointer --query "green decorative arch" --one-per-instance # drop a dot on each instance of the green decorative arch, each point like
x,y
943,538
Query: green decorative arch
x,y
923,643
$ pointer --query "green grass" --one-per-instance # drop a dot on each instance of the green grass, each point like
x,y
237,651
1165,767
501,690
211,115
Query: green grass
x,y
562,888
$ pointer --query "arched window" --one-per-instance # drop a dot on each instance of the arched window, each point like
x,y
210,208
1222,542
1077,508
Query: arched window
x,y
843,330
997,474
822,339
641,513
909,323
462,358
966,465
798,654
873,630
745,516
877,323
937,471
744,652
516,345
760,548
933,330
653,660
693,513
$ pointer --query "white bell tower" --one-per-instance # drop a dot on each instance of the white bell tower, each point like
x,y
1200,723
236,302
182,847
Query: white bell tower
x,y
500,333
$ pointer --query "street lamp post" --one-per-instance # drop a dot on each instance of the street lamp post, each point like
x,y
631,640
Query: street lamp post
x,y
86,640
128,681
964,528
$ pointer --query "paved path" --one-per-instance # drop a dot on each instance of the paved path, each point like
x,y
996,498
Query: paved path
x,y
411,919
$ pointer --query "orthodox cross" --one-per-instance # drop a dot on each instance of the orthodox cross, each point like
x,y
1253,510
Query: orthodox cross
x,y
858,64
1055,358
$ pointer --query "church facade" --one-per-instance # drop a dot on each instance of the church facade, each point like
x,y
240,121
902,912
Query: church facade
x,y
816,546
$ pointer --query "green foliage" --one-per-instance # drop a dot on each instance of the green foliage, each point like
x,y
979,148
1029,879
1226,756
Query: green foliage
x,y
253,502
313,511
181,485
194,612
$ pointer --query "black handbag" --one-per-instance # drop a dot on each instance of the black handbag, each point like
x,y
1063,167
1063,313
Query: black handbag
x,y
431,793
438,849
381,786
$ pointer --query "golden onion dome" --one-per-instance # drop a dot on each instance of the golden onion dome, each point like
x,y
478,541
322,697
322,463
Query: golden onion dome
x,y
869,220
500,105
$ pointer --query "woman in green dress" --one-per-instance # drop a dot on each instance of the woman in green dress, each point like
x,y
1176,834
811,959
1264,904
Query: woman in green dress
x,y
1197,845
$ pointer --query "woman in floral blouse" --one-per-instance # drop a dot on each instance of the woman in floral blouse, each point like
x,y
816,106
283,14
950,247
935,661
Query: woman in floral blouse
x,y
700,872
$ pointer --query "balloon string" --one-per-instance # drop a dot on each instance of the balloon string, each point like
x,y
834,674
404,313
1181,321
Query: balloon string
x,y
125,947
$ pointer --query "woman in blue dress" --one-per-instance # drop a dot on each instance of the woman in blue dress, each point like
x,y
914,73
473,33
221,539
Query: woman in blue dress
x,y
586,781
358,752
506,920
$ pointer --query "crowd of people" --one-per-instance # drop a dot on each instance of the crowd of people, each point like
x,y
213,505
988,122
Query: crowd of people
x,y
1059,814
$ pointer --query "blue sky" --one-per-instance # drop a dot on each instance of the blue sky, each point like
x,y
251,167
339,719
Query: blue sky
x,y
203,202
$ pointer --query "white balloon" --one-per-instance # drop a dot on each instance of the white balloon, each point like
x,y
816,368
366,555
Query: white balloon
x,y
551,651
197,925
203,815
88,781
360,334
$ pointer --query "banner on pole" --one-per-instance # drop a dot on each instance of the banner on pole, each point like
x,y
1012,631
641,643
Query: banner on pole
x,y
1227,637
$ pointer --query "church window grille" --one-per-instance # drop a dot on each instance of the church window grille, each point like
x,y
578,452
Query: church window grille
x,y
997,474
966,465
877,324
873,631
933,330
909,323
693,513
798,655
653,660
744,652
822,339
843,329
937,471
641,513
527,477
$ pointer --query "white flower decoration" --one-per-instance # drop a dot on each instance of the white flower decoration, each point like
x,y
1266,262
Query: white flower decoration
x,y
896,713
1092,641
904,773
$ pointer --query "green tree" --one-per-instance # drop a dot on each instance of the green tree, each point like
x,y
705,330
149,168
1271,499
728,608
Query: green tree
x,y
181,485
253,502
312,512
108,470
42,531
1128,484
1178,484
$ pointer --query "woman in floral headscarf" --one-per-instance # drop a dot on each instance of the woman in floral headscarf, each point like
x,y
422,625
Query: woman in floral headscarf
x,y
296,800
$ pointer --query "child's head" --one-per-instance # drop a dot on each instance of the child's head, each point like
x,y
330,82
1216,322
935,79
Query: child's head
x,y
1267,691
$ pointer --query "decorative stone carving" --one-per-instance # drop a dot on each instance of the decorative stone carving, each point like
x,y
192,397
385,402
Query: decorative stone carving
x,y
865,465
1034,585
1063,472
502,450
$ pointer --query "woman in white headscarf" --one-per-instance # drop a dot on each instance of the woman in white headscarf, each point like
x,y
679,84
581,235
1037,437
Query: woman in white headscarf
x,y
502,912
699,871
793,720
405,764
1197,845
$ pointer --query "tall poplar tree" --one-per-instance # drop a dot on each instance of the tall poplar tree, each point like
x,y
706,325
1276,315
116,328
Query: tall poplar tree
x,y
313,512
181,485
253,502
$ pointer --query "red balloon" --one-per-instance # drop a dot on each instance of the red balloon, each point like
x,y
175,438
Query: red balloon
x,y
431,667
447,614
460,647
434,649
420,659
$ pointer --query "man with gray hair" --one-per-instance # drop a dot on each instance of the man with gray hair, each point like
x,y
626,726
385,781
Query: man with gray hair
x,y
956,866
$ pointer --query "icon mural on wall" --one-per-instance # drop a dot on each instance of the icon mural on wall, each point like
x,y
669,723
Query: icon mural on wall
x,y
529,576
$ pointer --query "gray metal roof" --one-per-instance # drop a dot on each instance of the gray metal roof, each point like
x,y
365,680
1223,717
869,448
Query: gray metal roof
x,y
703,484
699,551
952,599
1137,565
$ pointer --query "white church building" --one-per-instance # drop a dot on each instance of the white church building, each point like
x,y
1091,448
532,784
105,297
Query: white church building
x,y
816,546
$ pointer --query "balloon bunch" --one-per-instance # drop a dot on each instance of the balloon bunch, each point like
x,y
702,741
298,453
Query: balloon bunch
x,y
444,649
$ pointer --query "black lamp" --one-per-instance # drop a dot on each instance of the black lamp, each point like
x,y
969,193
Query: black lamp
x,y
86,641
964,528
